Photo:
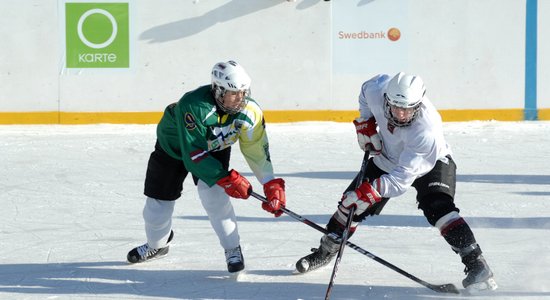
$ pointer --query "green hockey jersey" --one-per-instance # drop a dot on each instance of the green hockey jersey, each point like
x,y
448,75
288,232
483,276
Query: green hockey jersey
x,y
193,127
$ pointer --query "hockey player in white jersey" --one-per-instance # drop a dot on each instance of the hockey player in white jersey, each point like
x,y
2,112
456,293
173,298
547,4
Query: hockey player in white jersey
x,y
408,149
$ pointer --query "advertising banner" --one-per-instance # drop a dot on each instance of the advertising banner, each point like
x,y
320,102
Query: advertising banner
x,y
97,35
369,36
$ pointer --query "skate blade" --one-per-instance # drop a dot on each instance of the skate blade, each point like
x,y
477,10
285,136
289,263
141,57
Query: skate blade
x,y
296,272
306,268
476,288
147,260
237,275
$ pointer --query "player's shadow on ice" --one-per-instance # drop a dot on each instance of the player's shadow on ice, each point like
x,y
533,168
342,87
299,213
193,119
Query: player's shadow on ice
x,y
114,279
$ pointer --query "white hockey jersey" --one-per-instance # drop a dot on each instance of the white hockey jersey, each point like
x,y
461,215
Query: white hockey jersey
x,y
407,152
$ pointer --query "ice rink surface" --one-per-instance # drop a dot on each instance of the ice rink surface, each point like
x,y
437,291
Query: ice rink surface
x,y
71,200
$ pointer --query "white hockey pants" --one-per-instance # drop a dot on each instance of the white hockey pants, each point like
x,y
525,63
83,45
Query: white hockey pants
x,y
220,213
157,215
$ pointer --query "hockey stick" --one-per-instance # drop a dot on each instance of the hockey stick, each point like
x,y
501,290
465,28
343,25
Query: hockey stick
x,y
440,288
345,233
343,241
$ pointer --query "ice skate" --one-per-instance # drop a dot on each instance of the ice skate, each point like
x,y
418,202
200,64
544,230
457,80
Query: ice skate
x,y
145,253
319,258
478,276
235,260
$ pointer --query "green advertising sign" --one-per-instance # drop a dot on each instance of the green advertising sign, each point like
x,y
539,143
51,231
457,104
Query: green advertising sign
x,y
97,35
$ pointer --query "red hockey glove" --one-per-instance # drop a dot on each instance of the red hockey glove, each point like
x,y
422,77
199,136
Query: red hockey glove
x,y
235,185
363,197
367,136
274,191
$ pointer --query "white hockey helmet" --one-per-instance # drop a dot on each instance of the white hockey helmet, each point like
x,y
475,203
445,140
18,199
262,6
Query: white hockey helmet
x,y
230,76
405,92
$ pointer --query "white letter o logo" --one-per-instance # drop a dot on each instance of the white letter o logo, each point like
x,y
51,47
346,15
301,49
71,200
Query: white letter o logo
x,y
85,40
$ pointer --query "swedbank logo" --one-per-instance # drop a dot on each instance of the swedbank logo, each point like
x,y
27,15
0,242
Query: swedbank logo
x,y
97,35
393,34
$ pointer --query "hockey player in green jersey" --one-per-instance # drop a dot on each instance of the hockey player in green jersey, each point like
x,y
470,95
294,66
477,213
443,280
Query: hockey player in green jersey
x,y
195,136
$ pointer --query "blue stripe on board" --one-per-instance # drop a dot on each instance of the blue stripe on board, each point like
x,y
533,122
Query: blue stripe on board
x,y
530,112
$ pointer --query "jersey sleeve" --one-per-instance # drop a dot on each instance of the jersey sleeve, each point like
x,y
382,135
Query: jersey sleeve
x,y
192,136
254,144
370,89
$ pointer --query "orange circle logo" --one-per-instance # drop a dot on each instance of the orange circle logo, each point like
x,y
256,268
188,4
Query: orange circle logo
x,y
394,34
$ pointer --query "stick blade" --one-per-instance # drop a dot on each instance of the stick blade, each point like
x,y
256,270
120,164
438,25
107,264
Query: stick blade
x,y
445,288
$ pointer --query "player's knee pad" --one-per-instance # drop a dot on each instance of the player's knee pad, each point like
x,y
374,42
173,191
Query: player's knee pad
x,y
157,213
434,206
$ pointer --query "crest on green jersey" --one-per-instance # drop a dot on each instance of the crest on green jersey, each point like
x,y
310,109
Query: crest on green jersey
x,y
190,122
